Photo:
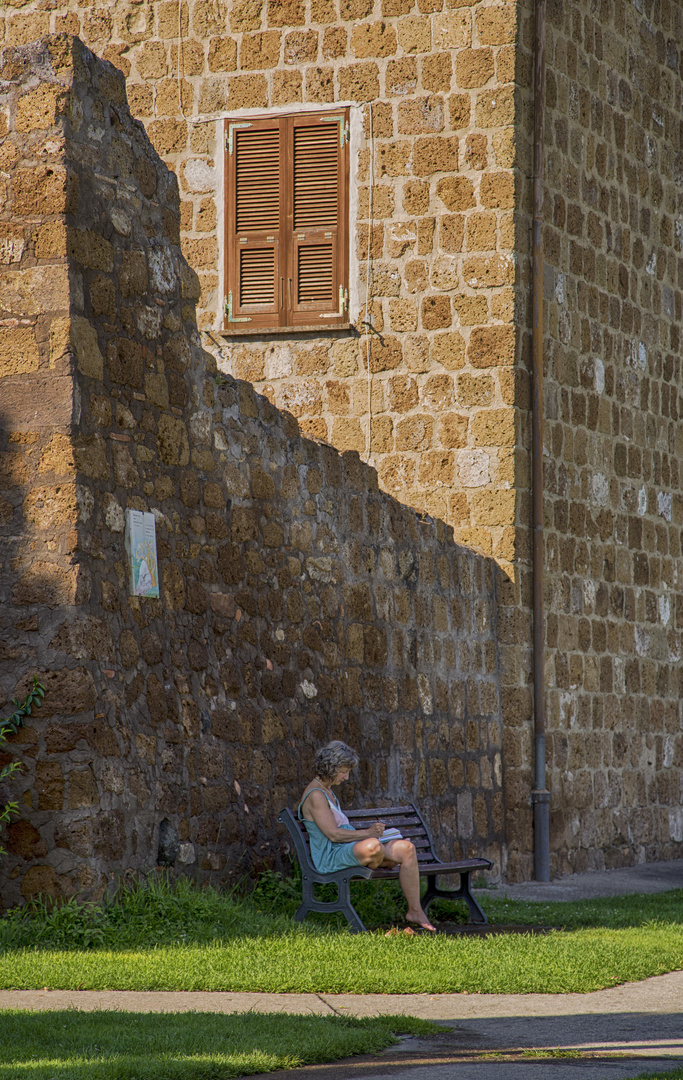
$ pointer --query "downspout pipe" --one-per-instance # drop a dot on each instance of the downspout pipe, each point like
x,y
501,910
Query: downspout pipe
x,y
540,796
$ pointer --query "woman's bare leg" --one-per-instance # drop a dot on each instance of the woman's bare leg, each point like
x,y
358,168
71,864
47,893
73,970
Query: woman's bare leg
x,y
369,852
403,852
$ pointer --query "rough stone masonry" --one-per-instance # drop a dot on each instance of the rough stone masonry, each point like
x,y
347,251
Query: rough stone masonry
x,y
298,601
449,166
613,501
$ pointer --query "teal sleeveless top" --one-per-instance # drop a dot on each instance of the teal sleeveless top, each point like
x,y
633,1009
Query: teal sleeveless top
x,y
329,855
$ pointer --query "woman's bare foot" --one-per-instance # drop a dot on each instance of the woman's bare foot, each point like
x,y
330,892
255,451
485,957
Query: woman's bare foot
x,y
418,918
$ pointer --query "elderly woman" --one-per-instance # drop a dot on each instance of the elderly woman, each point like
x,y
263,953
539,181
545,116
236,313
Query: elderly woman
x,y
335,844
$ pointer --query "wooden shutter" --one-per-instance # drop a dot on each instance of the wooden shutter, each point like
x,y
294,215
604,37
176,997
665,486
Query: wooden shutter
x,y
254,212
286,221
317,228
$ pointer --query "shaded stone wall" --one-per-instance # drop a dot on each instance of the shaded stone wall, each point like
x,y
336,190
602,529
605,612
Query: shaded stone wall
x,y
442,78
298,601
613,501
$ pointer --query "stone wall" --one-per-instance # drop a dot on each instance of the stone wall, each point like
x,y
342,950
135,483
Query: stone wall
x,y
442,79
298,601
450,166
613,500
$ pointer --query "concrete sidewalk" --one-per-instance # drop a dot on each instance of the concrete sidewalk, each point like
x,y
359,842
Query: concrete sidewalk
x,y
644,878
616,1034
661,996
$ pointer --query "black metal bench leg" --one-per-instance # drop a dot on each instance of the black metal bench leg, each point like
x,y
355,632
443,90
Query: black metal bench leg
x,y
307,897
476,913
431,894
348,910
342,903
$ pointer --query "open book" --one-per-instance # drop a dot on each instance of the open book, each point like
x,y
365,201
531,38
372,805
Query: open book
x,y
390,834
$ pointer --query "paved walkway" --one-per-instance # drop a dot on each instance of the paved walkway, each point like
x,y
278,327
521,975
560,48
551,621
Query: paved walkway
x,y
645,878
661,996
453,1068
616,1034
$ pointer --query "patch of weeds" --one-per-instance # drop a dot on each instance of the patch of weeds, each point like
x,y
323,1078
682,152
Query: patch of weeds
x,y
69,924
142,914
274,892
480,882
552,1053
377,902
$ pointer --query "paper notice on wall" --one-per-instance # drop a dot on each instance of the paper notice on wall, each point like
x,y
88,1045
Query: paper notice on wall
x,y
141,548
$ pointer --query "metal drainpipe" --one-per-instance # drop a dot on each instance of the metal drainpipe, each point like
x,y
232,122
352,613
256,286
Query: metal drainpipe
x,y
540,796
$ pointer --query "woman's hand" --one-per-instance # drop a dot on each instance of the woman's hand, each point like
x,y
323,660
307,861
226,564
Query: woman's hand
x,y
376,829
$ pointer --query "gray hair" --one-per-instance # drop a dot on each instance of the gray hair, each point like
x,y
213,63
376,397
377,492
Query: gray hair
x,y
332,758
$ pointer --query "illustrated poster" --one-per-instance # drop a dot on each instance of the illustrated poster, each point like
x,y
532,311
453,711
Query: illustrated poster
x,y
141,544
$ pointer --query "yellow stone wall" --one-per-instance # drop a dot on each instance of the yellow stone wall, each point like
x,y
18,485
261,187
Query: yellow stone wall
x,y
436,413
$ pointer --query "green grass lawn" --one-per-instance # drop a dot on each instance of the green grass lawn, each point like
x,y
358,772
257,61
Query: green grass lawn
x,y
672,1074
612,912
338,962
161,937
182,1046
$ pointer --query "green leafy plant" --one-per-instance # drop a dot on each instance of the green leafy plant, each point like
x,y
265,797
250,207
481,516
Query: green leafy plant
x,y
69,924
274,893
9,725
140,914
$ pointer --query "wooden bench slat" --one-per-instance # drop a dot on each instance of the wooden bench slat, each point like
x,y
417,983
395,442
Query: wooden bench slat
x,y
375,810
433,869
417,835
460,866
393,822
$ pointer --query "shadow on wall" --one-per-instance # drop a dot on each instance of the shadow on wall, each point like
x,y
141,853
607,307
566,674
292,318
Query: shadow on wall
x,y
39,584
298,601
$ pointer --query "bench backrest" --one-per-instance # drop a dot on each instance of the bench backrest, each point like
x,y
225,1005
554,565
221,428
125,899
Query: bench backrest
x,y
299,836
405,818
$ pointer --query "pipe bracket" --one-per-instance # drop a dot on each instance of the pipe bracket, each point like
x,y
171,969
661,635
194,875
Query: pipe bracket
x,y
540,796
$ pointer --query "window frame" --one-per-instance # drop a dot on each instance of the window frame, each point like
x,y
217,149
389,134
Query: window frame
x,y
291,315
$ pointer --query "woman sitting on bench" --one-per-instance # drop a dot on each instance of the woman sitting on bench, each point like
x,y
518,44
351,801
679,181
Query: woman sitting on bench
x,y
332,848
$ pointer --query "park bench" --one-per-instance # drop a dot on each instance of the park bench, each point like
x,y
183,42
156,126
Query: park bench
x,y
412,826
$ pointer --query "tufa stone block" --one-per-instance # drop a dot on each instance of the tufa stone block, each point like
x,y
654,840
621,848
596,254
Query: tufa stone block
x,y
436,312
491,346
19,353
373,40
474,67
415,34
435,154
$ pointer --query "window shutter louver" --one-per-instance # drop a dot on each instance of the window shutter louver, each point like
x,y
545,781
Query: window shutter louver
x,y
316,181
253,223
315,274
318,239
286,222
